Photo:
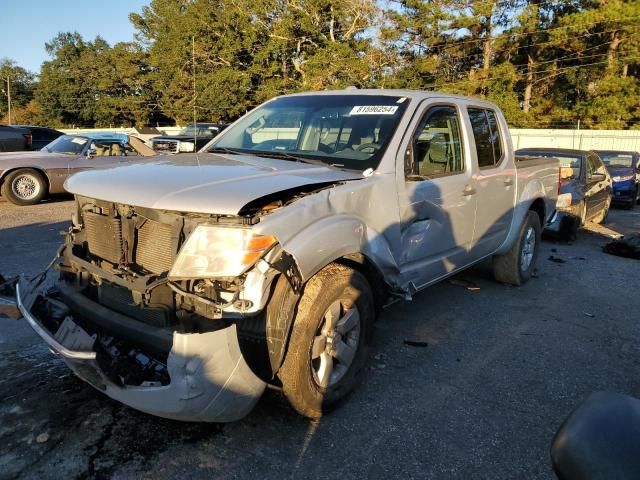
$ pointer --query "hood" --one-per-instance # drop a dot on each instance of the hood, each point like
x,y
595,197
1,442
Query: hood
x,y
620,171
200,183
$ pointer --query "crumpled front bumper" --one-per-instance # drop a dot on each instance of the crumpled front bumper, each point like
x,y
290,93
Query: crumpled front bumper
x,y
210,380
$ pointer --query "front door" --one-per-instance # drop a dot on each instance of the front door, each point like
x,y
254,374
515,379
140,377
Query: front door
x,y
437,197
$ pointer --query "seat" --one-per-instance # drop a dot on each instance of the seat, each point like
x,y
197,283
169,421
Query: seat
x,y
116,150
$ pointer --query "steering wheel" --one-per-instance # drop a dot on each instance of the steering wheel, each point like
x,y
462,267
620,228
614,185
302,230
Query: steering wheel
x,y
373,146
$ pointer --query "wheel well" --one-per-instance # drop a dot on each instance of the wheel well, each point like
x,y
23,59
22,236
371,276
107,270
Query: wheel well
x,y
539,207
36,169
364,265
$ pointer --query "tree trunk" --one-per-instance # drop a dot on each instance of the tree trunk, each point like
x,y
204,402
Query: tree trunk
x,y
528,89
616,40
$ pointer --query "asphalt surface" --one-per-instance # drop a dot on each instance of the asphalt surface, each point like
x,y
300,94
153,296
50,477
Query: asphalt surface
x,y
502,367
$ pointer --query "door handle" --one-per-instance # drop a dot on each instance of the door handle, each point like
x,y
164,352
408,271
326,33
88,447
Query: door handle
x,y
508,182
468,190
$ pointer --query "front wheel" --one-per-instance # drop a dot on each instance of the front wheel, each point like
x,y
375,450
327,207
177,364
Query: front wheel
x,y
516,266
24,187
329,340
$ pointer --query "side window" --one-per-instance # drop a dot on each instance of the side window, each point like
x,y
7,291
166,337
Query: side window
x,y
486,134
496,139
591,166
437,148
482,137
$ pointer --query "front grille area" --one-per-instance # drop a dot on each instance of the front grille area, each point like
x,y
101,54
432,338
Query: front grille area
x,y
145,245
104,236
156,247
166,146
121,300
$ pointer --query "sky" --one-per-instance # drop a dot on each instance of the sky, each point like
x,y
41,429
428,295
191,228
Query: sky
x,y
25,25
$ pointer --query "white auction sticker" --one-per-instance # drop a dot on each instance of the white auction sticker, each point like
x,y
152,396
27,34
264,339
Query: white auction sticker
x,y
80,141
374,110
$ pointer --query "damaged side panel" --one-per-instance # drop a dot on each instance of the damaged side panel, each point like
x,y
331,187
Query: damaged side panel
x,y
333,223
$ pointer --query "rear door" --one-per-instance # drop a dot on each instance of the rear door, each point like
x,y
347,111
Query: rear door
x,y
436,196
495,180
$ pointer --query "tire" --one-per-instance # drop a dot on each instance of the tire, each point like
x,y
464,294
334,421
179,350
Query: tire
x,y
24,187
601,217
314,376
515,267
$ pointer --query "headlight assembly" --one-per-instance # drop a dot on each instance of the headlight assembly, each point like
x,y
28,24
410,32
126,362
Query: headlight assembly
x,y
212,251
623,178
187,147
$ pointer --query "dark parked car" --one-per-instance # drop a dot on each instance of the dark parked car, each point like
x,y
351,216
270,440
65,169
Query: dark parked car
x,y
202,133
14,139
41,136
624,168
585,184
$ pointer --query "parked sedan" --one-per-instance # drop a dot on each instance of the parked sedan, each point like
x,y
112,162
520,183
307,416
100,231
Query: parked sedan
x,y
14,139
624,168
585,184
41,136
28,177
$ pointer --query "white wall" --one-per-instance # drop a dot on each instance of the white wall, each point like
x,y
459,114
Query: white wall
x,y
577,139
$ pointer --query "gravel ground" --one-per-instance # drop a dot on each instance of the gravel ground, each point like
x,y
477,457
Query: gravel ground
x,y
502,368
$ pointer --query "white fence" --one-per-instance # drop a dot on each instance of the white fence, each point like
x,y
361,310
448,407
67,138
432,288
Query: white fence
x,y
577,139
522,138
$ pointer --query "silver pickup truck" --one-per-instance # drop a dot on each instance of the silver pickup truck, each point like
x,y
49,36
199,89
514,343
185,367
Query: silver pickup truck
x,y
185,287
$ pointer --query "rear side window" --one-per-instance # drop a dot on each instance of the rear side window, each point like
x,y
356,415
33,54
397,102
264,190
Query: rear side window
x,y
486,134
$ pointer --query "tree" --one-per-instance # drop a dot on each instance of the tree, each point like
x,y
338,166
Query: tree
x,y
21,85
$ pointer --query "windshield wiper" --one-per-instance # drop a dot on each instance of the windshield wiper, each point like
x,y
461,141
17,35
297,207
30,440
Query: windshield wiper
x,y
294,158
223,150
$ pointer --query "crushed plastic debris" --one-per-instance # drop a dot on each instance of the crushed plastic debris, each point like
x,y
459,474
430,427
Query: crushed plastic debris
x,y
624,247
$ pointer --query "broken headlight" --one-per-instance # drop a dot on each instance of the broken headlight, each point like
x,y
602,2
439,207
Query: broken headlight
x,y
212,251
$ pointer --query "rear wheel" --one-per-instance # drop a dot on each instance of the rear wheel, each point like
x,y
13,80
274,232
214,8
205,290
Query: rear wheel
x,y
516,266
24,187
329,340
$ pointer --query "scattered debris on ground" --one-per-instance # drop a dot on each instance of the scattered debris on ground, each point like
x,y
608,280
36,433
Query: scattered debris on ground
x,y
412,343
624,247
460,282
555,259
590,315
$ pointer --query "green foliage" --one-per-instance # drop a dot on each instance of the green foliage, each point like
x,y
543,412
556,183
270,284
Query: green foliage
x,y
547,63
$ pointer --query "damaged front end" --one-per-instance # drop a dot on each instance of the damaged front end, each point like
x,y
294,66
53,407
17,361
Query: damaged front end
x,y
136,319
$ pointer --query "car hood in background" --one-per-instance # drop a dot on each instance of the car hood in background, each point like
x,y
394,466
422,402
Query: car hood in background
x,y
202,183
617,171
8,159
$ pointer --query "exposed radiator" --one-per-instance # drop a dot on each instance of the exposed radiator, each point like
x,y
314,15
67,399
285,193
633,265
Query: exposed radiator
x,y
156,247
104,236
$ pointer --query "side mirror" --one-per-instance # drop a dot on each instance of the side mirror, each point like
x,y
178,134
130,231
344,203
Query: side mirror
x,y
598,177
599,439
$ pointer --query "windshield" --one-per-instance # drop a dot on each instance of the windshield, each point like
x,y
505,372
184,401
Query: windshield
x,y
199,131
570,165
617,159
70,144
350,131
